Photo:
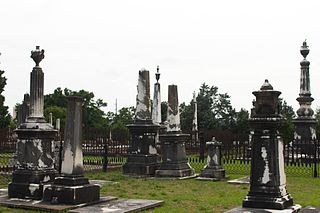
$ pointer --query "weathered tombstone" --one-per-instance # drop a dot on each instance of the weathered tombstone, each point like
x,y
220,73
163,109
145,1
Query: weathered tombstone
x,y
213,170
23,110
174,158
305,131
267,175
143,159
72,187
35,157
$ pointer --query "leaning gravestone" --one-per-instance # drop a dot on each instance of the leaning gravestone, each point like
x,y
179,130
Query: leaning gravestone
x,y
143,159
35,157
72,187
174,159
267,176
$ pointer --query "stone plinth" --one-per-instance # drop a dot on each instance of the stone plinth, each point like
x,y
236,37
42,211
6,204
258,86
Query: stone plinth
x,y
143,158
213,170
35,157
267,175
72,187
174,159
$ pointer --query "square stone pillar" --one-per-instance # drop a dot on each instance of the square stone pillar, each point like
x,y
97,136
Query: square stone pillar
x,y
72,187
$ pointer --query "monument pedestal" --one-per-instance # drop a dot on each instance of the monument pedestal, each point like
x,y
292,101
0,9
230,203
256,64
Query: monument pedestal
x,y
290,209
143,159
174,159
72,190
35,160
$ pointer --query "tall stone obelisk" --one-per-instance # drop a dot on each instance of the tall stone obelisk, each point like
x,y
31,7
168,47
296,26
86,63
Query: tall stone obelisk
x,y
143,158
305,123
174,159
35,154
195,132
72,187
156,107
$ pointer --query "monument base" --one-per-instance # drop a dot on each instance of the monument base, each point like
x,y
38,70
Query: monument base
x,y
265,201
30,184
72,190
290,209
182,169
141,165
214,173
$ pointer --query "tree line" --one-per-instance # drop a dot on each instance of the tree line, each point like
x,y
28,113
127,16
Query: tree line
x,y
215,111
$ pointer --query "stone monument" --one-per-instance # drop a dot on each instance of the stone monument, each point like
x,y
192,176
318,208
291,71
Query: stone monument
x,y
213,170
35,156
195,132
23,110
305,123
267,175
174,158
72,187
156,107
143,159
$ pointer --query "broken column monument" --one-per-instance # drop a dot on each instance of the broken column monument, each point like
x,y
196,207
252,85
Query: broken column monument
x,y
267,175
213,170
174,159
35,157
72,187
305,123
143,159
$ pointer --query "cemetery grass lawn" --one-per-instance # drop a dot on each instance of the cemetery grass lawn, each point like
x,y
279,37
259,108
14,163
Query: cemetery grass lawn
x,y
192,195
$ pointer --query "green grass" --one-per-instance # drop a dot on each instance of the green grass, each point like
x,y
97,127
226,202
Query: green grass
x,y
192,195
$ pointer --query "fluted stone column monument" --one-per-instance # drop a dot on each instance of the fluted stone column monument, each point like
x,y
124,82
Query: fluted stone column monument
x,y
72,187
174,158
213,170
267,175
305,123
35,154
143,159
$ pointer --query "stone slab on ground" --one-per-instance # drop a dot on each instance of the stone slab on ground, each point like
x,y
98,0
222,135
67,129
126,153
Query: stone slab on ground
x,y
120,206
310,209
176,178
46,206
240,209
102,182
211,179
243,180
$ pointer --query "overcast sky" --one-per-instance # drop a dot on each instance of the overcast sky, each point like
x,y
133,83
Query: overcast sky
x,y
100,46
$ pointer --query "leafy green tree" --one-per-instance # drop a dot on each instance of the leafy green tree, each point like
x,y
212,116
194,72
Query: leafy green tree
x,y
93,115
287,129
5,117
242,122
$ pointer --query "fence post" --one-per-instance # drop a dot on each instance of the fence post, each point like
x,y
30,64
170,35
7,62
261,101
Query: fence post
x,y
315,159
105,156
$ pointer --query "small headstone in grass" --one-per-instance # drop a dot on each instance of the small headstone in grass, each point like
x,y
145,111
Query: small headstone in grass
x,y
243,180
213,170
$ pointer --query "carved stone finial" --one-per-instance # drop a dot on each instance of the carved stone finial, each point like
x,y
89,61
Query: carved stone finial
x,y
304,49
37,55
158,74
